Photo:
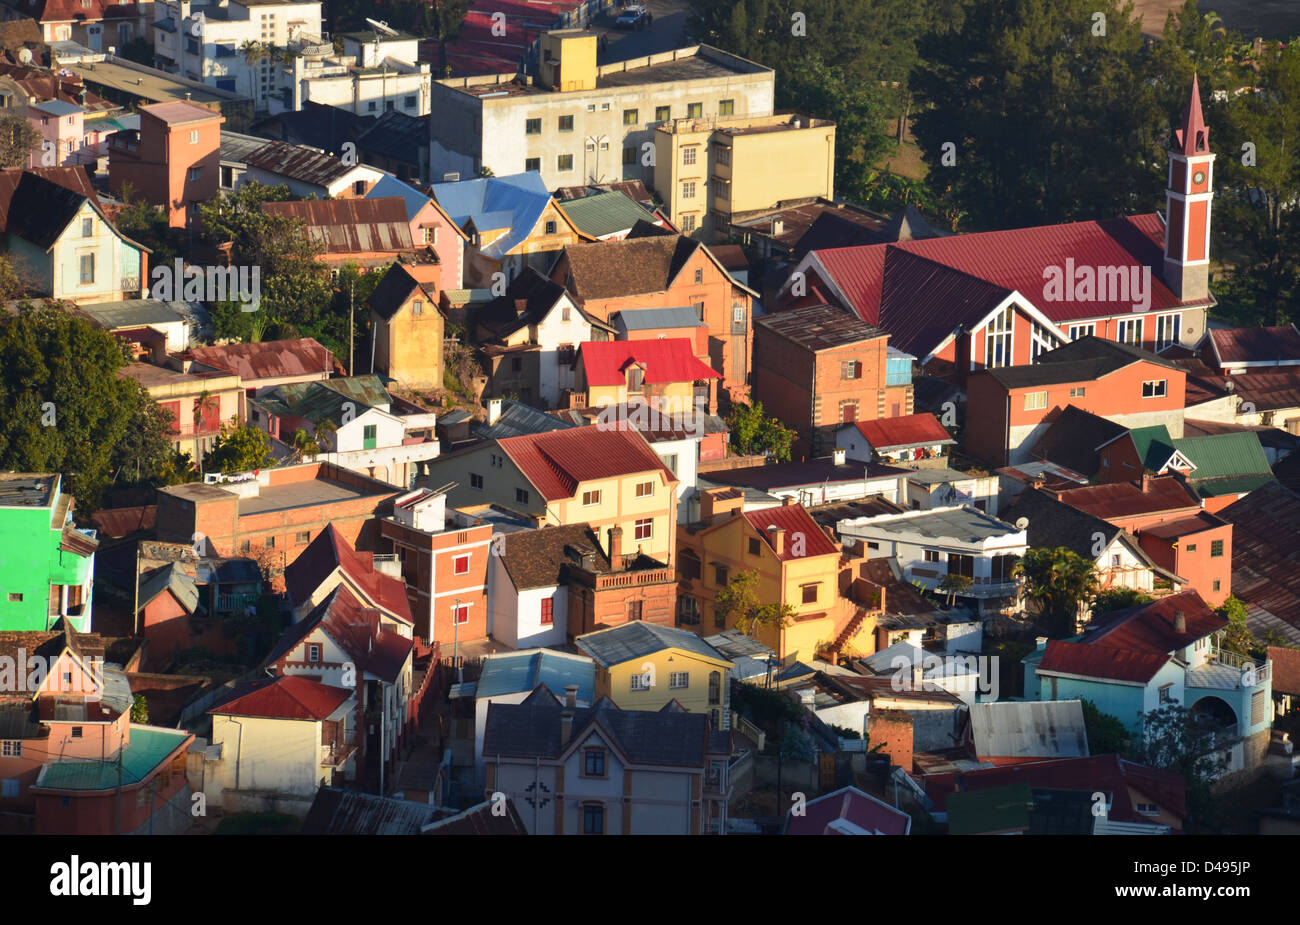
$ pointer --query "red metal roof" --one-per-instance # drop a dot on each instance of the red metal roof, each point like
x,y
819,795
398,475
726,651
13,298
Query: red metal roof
x,y
850,805
329,551
557,461
1098,661
1014,259
285,697
1266,550
1194,136
1286,670
922,429
1256,345
1150,627
351,226
1119,500
803,535
118,522
671,359
267,360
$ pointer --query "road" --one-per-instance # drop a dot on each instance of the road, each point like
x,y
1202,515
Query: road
x,y
665,33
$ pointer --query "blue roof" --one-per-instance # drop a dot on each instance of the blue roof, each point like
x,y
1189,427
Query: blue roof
x,y
515,202
637,319
57,107
523,671
390,187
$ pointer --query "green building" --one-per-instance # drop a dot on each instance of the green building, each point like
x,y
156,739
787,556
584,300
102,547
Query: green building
x,y
46,564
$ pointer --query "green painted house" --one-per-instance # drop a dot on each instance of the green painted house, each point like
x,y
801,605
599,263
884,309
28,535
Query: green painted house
x,y
47,565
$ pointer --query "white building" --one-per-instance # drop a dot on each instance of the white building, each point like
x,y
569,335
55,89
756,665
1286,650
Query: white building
x,y
931,488
376,73
934,543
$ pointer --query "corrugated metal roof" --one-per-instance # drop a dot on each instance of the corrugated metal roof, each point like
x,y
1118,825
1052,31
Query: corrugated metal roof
x,y
523,671
1029,729
819,327
1266,551
1261,346
1098,661
557,462
285,697
271,359
637,639
641,319
904,432
604,213
1126,499
149,746
803,535
671,359
349,812
513,202
297,163
351,226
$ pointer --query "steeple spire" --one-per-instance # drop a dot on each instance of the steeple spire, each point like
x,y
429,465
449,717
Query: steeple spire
x,y
1194,136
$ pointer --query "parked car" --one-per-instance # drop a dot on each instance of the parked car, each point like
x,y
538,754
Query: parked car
x,y
1281,744
632,18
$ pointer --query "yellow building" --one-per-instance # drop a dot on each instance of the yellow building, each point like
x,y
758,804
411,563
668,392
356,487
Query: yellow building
x,y
642,666
408,328
711,171
797,564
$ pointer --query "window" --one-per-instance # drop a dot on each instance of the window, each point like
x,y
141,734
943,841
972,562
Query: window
x,y
460,565
722,154
645,489
13,748
755,548
1166,693
550,227
369,436
409,102
671,462
87,269
194,174
699,277
516,364
1082,330
688,156
848,412
15,597
548,612
715,687
76,732
720,575
270,542
604,107
1130,331
9,788
688,610
850,369
417,307
566,123
961,565
629,155
726,107
694,110
1216,584
476,481
663,113
688,189
590,497
645,528
640,682
1035,401
593,762
737,314
1216,549
431,235
688,224
997,340
1191,547
931,555
593,820
699,310
245,546
565,316
313,652
1078,392
1155,388
533,126
302,538
87,227
631,117
677,680
1114,560
564,162
1167,330
194,137
633,610
1147,809
532,165
809,594
521,496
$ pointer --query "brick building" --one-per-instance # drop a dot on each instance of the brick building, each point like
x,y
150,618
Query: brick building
x,y
818,367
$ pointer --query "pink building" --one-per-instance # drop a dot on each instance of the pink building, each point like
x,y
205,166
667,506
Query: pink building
x,y
172,160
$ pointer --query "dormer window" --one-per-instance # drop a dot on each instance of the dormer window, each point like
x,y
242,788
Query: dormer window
x,y
635,378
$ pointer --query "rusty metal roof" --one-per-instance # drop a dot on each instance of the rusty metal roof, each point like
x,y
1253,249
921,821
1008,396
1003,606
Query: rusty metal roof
x,y
267,360
298,163
351,226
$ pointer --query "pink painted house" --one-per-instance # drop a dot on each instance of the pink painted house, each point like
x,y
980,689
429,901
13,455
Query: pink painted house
x,y
430,227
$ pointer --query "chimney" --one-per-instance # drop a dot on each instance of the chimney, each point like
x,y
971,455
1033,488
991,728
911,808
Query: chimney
x,y
1146,481
778,226
571,696
787,500
840,455
715,501
1180,622
494,410
615,546
777,536
566,725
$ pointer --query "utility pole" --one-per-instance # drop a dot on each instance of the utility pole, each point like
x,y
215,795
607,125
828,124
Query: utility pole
x,y
352,323
135,613
455,641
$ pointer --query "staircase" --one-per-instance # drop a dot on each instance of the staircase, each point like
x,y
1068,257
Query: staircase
x,y
850,630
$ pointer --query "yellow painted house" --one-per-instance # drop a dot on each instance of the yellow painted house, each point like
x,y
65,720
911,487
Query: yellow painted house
x,y
797,564
643,666
663,373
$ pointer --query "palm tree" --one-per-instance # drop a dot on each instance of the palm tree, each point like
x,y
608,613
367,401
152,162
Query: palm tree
x,y
1062,583
202,405
254,52
325,430
304,444
954,584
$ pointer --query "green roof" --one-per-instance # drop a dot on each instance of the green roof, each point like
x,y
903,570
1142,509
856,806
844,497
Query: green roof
x,y
994,810
1154,445
318,400
1222,456
604,213
148,748
368,390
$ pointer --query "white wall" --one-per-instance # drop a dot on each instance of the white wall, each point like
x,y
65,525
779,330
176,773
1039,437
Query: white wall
x,y
514,618
687,471
551,332
924,497
278,755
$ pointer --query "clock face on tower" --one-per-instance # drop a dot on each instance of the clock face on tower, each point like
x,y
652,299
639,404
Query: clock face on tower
x,y
1199,177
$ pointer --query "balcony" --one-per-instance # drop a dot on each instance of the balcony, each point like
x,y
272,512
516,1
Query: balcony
x,y
1228,671
336,754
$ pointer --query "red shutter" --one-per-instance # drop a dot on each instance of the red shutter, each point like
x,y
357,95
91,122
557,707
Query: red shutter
x,y
174,409
548,612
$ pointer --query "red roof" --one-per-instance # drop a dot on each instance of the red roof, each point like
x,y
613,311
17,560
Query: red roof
x,y
1194,131
1119,500
118,522
558,461
285,697
1098,661
1108,773
796,522
356,629
268,359
1263,346
1009,260
922,429
329,551
1286,670
850,805
671,359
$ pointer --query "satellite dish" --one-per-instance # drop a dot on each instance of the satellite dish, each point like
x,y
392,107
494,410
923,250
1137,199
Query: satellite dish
x,y
24,56
1022,523
382,27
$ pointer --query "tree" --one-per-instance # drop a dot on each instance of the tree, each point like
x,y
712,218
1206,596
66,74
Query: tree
x,y
304,444
754,432
11,284
1176,739
1118,599
1061,583
19,141
140,709
144,454
1106,733
139,50
954,584
239,448
1237,637
738,604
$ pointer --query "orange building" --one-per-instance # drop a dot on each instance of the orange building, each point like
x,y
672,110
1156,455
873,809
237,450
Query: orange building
x,y
172,160
818,367
666,271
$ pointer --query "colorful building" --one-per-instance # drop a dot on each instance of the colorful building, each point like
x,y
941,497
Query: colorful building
x,y
407,327
662,373
47,565
172,160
